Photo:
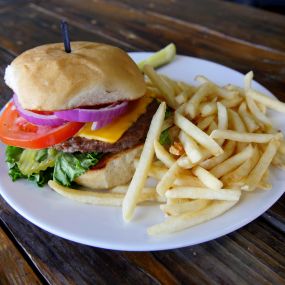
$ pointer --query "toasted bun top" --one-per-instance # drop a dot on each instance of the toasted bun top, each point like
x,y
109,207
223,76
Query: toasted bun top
x,y
48,78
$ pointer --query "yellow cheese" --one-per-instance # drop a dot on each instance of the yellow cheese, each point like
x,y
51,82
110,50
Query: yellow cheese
x,y
112,132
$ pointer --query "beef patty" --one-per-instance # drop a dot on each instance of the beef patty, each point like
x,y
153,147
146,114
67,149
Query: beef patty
x,y
135,135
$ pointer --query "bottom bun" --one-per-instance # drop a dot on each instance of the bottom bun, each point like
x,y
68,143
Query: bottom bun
x,y
118,169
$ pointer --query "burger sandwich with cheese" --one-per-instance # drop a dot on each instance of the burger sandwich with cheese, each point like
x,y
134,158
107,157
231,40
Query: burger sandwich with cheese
x,y
78,117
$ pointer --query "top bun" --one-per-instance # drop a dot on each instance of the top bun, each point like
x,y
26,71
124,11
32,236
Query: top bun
x,y
47,78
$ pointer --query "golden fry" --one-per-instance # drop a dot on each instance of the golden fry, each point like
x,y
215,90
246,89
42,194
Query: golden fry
x,y
140,175
201,137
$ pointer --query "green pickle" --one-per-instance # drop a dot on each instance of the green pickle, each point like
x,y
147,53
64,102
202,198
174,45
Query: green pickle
x,y
33,161
160,57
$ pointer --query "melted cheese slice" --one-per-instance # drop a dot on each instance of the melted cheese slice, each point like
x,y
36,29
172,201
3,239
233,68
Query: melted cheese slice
x,y
112,132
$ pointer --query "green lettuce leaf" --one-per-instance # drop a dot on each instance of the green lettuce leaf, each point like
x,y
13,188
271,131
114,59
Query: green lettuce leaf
x,y
12,157
69,166
41,178
168,112
165,138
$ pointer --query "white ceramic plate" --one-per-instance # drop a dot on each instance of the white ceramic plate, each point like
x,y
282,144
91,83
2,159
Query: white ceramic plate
x,y
103,226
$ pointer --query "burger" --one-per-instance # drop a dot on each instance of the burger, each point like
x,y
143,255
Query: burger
x,y
77,118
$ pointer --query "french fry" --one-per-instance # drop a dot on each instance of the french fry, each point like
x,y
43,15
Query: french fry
x,y
174,201
140,175
279,159
255,111
203,193
243,137
264,184
182,96
162,154
157,172
172,83
222,120
167,123
201,137
232,162
192,106
261,167
282,147
186,86
207,178
267,101
231,103
247,118
222,117
181,109
232,87
261,107
213,126
238,126
221,92
164,87
89,197
247,80
191,148
187,180
185,162
168,179
181,179
188,206
213,161
205,122
148,194
208,108
187,220
242,171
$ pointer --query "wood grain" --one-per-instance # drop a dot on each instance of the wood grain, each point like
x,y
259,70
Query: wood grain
x,y
249,255
35,28
239,37
13,267
5,93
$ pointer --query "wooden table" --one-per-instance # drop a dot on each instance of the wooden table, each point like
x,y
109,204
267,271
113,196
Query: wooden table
x,y
237,36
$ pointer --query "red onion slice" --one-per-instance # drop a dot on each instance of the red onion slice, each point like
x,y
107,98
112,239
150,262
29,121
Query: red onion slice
x,y
100,124
38,119
93,115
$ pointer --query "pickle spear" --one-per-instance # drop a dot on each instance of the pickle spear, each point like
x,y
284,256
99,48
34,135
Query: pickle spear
x,y
159,58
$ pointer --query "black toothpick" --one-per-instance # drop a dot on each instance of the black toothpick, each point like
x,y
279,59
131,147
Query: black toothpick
x,y
65,36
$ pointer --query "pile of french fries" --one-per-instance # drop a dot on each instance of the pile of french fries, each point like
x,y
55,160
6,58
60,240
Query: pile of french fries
x,y
222,144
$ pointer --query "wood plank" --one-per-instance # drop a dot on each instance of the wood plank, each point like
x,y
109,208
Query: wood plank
x,y
150,31
261,251
276,214
5,92
232,20
30,28
13,267
236,257
146,262
251,254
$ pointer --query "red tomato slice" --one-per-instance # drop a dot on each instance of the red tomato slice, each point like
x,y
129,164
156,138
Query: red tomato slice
x,y
17,131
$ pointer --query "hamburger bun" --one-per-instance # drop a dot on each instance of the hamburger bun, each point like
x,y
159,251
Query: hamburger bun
x,y
118,170
47,78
